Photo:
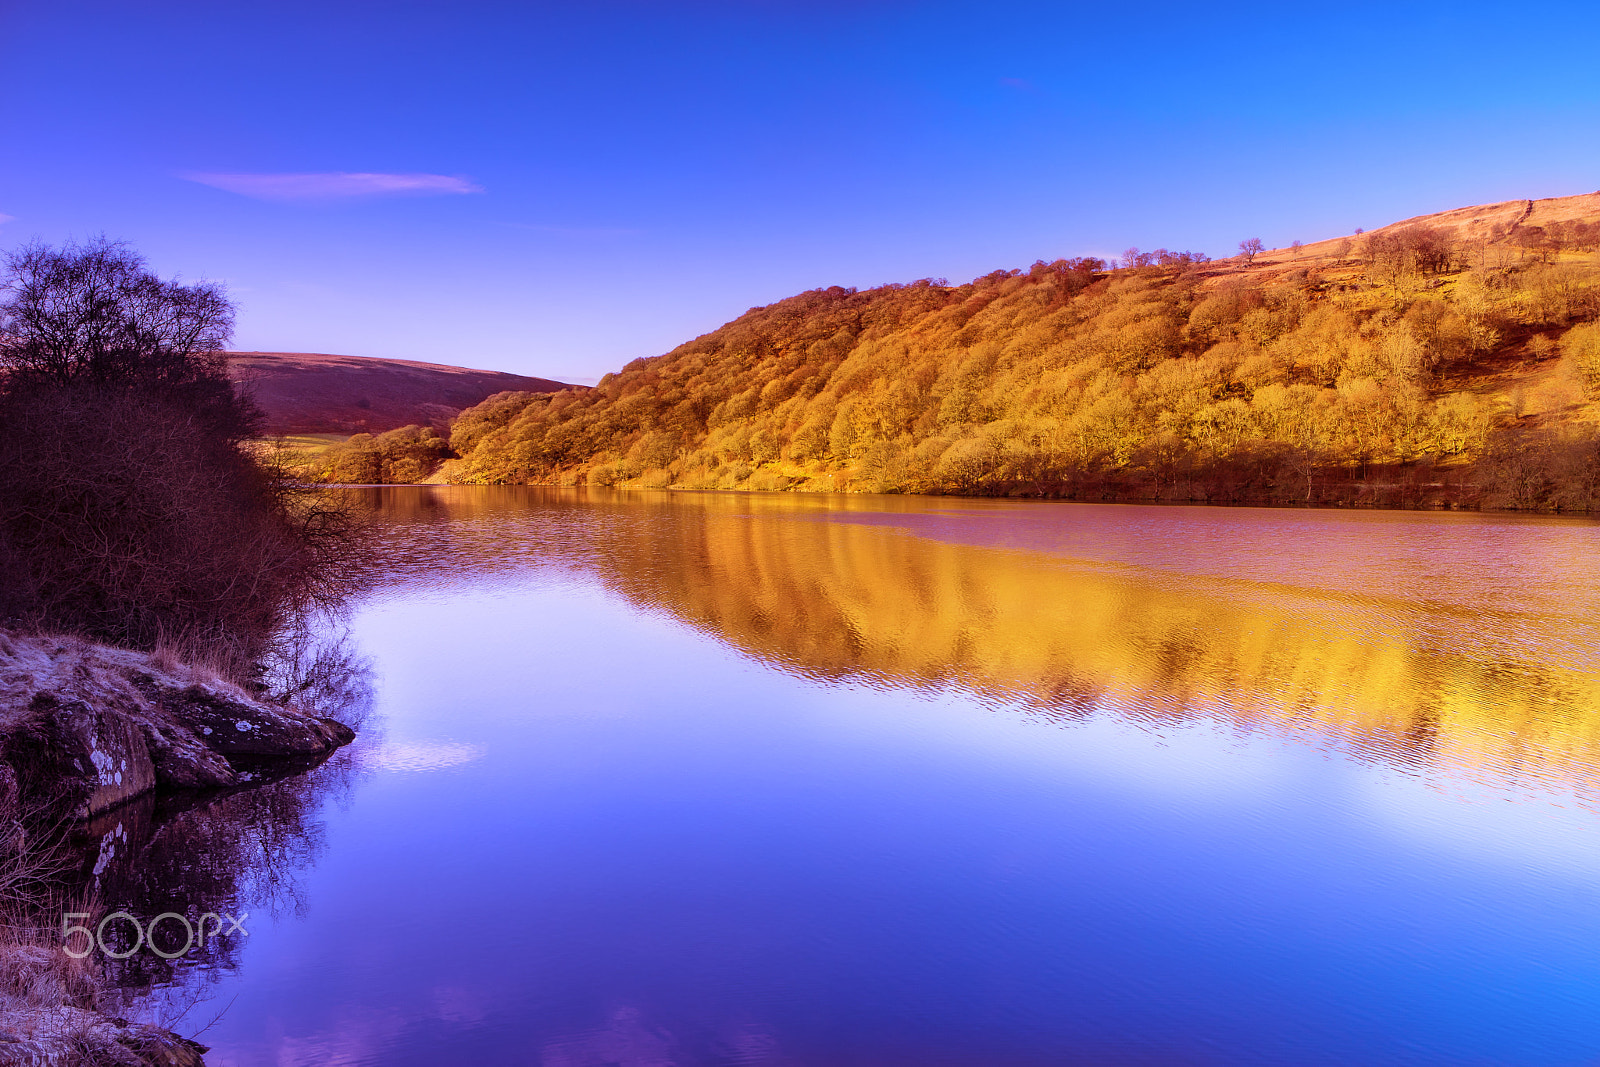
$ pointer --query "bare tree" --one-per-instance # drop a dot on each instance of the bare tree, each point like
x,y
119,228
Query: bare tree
x,y
95,311
93,315
1296,247
1251,248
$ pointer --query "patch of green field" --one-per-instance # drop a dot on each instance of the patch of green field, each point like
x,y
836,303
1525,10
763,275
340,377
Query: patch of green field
x,y
308,442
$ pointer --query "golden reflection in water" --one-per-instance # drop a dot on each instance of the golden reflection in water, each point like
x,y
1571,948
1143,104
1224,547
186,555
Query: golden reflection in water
x,y
804,583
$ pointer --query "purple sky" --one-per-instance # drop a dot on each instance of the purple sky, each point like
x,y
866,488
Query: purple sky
x,y
557,189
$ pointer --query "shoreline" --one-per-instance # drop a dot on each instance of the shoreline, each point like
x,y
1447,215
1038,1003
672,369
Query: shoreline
x,y
87,732
1448,506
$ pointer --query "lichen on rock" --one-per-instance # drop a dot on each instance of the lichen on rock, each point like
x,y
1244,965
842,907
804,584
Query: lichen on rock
x,y
85,727
86,730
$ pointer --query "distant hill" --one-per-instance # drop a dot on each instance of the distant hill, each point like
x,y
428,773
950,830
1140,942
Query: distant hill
x,y
1508,226
1447,359
311,392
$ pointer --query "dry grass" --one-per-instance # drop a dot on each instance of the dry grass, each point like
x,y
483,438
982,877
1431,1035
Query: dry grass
x,y
204,665
48,999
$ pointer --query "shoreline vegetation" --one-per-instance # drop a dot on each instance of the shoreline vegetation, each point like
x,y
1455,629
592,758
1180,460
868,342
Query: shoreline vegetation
x,y
1450,361
152,565
87,733
133,508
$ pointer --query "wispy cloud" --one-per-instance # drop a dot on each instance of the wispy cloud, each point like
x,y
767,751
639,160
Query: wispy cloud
x,y
336,186
7,218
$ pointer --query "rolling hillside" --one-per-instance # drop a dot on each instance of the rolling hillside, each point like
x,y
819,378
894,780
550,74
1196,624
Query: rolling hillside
x,y
313,393
1447,359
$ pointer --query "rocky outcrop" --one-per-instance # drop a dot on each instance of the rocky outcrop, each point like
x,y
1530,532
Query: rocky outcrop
x,y
85,727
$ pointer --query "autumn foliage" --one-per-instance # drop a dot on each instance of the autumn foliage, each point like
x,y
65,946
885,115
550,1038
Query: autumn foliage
x,y
1404,367
399,457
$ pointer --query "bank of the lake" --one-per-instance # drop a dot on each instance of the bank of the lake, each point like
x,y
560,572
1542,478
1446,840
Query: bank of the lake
x,y
85,731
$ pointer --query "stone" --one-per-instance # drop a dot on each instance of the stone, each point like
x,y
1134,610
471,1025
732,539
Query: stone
x,y
85,727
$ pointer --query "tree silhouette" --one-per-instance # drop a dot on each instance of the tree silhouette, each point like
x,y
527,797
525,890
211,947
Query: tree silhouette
x,y
1251,248
132,507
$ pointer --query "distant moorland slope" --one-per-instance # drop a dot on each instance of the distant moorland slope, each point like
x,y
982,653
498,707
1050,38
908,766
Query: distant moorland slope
x,y
306,392
1447,359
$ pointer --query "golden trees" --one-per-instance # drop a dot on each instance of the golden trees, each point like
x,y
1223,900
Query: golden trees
x,y
1058,378
1580,347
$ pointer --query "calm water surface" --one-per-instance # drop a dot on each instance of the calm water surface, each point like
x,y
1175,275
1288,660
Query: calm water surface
x,y
724,779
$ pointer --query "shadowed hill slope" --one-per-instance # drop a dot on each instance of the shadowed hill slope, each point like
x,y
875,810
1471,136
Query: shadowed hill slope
x,y
1452,358
306,392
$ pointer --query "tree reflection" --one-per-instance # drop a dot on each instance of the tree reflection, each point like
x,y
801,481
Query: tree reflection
x,y
222,854
1445,663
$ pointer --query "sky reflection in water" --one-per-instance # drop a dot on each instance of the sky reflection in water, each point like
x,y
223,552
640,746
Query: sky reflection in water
x,y
718,779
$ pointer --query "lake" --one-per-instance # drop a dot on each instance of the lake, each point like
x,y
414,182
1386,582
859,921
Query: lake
x,y
700,778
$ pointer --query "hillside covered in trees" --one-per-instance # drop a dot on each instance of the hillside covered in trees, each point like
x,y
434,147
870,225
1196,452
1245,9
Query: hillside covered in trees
x,y
1450,359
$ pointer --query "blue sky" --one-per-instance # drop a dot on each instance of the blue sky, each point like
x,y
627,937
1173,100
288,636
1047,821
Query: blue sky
x,y
557,189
